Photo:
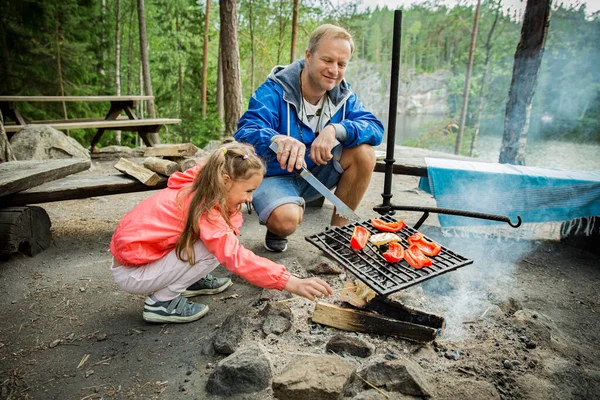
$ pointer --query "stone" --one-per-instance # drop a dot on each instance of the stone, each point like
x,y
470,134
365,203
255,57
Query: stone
x,y
229,335
402,376
538,328
42,142
510,306
375,395
348,345
313,377
467,389
278,318
248,370
324,268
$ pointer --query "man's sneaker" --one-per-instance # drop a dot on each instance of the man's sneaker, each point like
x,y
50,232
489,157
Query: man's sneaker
x,y
178,310
275,243
207,285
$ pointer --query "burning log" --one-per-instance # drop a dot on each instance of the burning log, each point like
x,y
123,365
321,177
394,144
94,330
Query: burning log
x,y
362,321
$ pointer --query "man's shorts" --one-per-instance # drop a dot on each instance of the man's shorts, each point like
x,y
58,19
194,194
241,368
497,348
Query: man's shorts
x,y
277,190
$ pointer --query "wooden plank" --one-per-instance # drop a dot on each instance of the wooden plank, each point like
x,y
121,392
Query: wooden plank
x,y
16,176
119,124
62,121
75,98
361,321
140,173
79,186
171,150
164,167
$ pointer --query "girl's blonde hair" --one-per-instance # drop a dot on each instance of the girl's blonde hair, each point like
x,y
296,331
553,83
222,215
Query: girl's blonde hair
x,y
208,190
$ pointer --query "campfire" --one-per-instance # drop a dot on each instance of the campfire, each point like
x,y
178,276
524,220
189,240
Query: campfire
x,y
372,311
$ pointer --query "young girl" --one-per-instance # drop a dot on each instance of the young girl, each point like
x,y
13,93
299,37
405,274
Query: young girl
x,y
170,242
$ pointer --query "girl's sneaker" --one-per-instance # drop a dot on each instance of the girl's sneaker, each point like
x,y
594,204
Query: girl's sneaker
x,y
178,310
207,285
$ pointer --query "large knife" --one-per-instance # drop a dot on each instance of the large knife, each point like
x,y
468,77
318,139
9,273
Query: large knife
x,y
341,209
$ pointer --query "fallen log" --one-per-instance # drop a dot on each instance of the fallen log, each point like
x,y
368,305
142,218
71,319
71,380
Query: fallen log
x,y
24,229
367,322
163,167
144,175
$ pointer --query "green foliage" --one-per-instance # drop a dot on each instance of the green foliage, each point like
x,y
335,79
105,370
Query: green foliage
x,y
434,37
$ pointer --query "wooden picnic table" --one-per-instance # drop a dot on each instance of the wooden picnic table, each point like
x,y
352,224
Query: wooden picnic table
x,y
118,105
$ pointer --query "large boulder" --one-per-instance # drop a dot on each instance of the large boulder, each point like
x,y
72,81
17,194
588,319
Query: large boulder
x,y
42,142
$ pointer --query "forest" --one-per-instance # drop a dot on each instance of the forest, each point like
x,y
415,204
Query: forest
x,y
87,47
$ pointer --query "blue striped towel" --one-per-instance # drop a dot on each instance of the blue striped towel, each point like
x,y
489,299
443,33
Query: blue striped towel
x,y
536,194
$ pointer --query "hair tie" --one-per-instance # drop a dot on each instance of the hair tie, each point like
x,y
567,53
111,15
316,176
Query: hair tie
x,y
245,156
224,150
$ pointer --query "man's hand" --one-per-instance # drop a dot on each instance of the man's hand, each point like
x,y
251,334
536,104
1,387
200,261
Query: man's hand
x,y
290,152
320,149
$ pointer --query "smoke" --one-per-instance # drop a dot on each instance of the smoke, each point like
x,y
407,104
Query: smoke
x,y
472,291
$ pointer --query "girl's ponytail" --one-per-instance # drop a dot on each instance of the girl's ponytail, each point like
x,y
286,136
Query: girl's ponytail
x,y
239,162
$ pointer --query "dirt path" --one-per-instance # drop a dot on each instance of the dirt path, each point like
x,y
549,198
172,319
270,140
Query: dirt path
x,y
522,321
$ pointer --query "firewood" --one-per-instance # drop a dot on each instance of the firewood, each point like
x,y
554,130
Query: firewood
x,y
144,175
25,229
357,294
173,150
164,167
361,321
183,162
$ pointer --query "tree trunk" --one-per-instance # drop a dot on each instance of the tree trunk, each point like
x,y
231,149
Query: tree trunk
x,y
118,62
205,59
486,66
102,43
146,67
59,67
528,59
232,87
465,104
130,52
220,97
281,31
251,24
294,31
179,66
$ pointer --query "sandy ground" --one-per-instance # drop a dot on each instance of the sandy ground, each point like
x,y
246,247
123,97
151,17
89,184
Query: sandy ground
x,y
67,332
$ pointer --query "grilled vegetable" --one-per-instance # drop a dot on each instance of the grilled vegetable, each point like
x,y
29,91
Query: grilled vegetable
x,y
379,239
415,257
394,253
387,226
359,239
428,248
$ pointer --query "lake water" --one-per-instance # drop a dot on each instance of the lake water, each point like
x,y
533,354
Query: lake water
x,y
540,153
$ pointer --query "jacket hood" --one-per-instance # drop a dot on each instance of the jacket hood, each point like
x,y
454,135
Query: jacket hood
x,y
288,78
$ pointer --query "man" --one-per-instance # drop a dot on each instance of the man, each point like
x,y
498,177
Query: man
x,y
317,122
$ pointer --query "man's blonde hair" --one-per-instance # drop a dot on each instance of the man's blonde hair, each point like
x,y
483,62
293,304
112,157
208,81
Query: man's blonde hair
x,y
328,31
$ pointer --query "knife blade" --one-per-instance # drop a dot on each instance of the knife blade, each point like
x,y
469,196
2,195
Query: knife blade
x,y
341,209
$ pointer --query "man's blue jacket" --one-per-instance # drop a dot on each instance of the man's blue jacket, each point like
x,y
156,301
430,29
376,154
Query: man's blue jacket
x,y
275,107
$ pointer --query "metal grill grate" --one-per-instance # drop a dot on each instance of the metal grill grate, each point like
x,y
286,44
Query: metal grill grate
x,y
369,265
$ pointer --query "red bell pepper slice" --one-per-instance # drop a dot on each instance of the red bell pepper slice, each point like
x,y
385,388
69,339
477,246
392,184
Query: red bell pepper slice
x,y
387,226
428,248
359,239
415,258
395,252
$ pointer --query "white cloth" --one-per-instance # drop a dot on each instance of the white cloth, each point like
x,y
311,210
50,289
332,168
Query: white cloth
x,y
167,277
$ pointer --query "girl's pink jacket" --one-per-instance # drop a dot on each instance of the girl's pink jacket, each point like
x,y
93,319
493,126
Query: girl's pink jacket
x,y
151,229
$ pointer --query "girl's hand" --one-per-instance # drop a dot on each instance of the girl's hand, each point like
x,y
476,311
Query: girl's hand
x,y
311,288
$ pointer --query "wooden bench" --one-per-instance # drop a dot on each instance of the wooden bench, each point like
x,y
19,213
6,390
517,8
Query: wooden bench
x,y
118,105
